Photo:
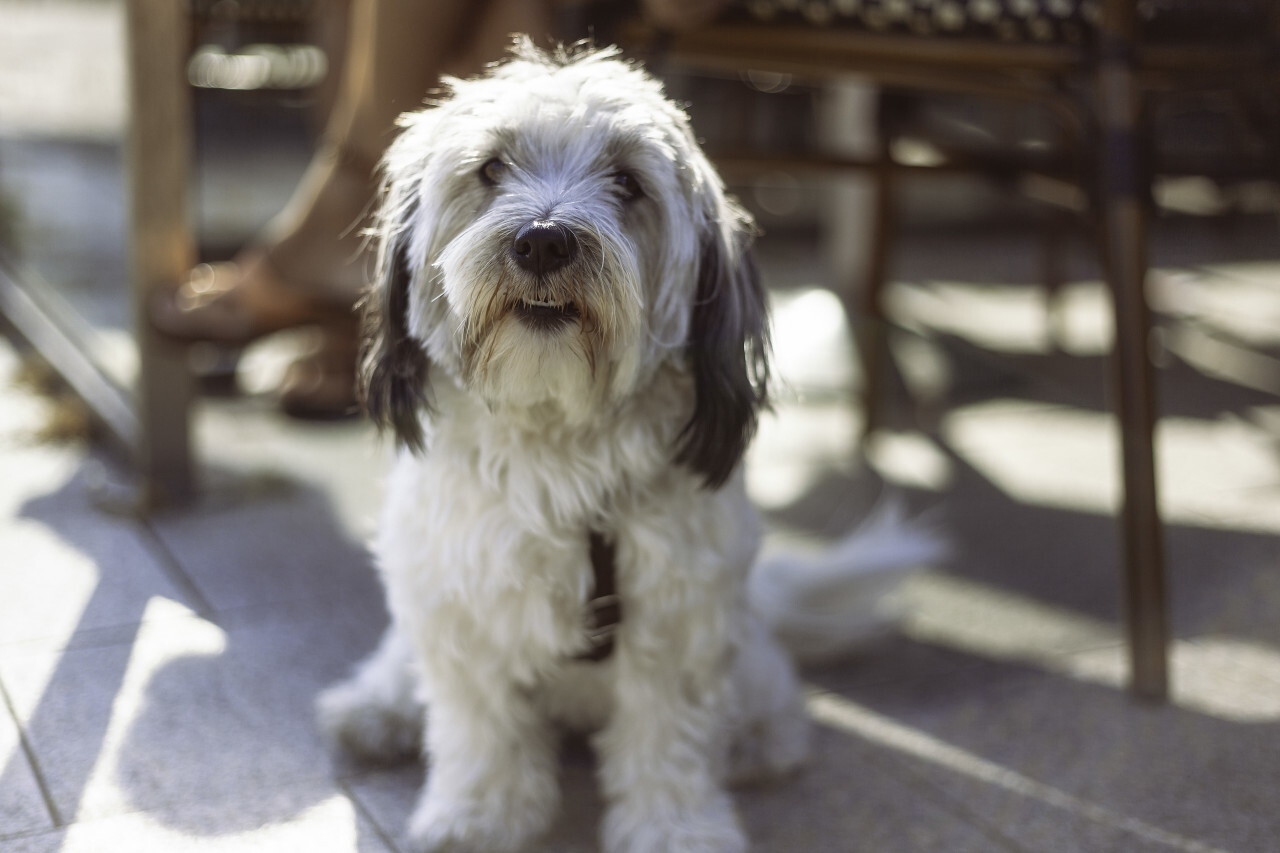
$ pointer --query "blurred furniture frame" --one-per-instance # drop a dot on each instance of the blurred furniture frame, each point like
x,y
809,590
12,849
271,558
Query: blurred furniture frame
x,y
1100,85
150,422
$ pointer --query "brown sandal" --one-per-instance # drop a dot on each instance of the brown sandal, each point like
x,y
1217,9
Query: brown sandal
x,y
321,385
236,302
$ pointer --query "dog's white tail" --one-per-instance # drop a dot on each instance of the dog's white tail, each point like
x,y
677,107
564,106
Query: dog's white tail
x,y
824,605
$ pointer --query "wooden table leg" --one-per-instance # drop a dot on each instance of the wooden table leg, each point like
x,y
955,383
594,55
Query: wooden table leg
x,y
162,249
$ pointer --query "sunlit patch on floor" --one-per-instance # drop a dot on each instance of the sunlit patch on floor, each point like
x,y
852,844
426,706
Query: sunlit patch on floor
x,y
1003,318
812,347
329,826
168,632
841,714
1222,677
1237,299
798,445
910,459
1221,474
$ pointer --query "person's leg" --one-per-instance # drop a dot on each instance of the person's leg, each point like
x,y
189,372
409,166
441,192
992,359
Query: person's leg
x,y
396,53
494,24
309,263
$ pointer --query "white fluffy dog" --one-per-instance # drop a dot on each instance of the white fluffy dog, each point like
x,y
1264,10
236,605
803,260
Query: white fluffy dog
x,y
569,339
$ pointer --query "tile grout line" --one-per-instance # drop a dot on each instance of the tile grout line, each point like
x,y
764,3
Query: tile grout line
x,y
29,753
345,787
836,711
30,833
948,802
173,570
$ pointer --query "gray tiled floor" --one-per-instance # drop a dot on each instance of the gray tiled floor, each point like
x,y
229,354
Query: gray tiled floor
x,y
158,674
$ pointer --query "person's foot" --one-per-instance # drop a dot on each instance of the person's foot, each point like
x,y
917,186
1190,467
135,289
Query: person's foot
x,y
307,266
233,303
236,302
321,384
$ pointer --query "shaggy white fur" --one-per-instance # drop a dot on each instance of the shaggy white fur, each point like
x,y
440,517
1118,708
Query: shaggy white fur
x,y
568,336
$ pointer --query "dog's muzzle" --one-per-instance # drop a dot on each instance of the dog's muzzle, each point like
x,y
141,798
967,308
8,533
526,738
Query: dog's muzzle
x,y
541,247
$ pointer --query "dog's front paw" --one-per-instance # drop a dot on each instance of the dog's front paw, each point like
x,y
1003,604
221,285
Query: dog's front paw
x,y
711,828
770,749
494,825
368,727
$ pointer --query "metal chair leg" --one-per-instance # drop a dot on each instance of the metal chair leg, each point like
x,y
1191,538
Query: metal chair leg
x,y
870,330
1124,223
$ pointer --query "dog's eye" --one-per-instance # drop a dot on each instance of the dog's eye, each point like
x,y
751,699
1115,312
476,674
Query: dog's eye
x,y
492,171
628,186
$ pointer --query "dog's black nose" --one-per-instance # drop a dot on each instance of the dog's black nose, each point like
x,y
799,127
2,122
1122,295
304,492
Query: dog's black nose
x,y
544,245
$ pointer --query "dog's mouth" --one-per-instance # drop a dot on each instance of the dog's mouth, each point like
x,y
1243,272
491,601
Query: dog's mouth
x,y
545,314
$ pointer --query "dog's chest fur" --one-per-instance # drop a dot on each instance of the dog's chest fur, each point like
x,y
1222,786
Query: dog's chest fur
x,y
484,541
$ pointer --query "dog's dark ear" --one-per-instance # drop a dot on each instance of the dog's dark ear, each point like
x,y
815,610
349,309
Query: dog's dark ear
x,y
729,355
393,365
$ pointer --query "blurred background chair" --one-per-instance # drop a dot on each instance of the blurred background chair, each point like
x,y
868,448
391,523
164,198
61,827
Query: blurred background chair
x,y
1102,93
1111,94
122,127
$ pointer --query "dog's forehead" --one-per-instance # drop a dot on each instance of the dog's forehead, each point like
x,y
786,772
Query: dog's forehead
x,y
609,107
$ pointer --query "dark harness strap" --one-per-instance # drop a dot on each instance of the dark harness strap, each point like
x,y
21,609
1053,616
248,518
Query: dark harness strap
x,y
604,607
